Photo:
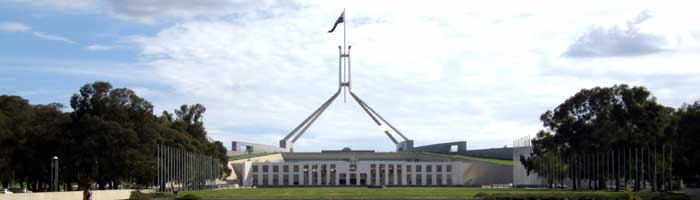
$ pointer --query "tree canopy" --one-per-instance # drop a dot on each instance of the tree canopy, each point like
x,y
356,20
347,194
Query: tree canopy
x,y
109,137
618,118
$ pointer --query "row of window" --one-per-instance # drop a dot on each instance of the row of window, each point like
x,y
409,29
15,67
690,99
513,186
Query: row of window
x,y
352,179
353,167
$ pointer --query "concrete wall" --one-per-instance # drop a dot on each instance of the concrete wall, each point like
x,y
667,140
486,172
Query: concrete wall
x,y
395,156
499,153
78,195
238,148
443,148
477,173
236,166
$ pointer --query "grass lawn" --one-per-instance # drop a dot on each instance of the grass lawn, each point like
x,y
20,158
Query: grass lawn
x,y
245,156
363,192
486,160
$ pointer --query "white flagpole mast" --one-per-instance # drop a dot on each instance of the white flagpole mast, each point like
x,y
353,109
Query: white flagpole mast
x,y
345,51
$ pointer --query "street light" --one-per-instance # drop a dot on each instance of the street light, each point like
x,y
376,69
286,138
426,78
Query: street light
x,y
54,174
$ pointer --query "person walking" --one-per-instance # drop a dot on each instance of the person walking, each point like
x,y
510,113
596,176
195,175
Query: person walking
x,y
87,192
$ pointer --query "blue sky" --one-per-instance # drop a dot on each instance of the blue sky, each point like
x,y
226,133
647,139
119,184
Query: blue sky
x,y
454,70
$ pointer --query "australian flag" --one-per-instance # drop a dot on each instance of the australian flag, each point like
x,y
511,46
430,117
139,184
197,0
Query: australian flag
x,y
340,19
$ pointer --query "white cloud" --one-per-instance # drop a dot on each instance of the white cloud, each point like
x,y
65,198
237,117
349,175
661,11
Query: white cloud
x,y
439,72
61,4
150,11
617,41
14,27
19,27
53,37
97,47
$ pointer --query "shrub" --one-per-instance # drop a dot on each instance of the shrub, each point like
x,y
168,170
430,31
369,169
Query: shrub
x,y
579,196
137,195
189,197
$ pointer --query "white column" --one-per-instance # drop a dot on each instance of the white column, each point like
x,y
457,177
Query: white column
x,y
328,174
386,174
311,174
301,174
318,174
445,174
402,177
280,175
413,175
423,175
337,177
396,174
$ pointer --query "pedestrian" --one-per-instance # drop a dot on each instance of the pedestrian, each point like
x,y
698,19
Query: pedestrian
x,y
87,192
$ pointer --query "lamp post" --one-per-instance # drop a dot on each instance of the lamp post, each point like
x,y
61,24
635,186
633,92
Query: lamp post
x,y
54,174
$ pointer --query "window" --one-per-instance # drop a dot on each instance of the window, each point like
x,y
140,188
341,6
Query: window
x,y
255,168
429,179
438,168
448,168
408,168
285,168
264,168
419,168
454,148
275,169
419,178
428,168
296,168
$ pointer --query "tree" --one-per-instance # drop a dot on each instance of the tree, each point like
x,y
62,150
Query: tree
x,y
601,120
686,161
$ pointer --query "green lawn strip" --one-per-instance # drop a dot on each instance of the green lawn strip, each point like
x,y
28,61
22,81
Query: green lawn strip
x,y
386,193
486,160
245,156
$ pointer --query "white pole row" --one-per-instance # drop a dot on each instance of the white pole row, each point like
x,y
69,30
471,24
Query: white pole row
x,y
181,170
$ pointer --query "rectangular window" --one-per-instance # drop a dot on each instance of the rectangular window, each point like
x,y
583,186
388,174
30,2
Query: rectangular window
x,y
419,168
266,179
438,168
449,179
408,168
296,179
448,168
419,179
275,179
429,168
264,168
429,179
409,179
285,168
255,168
438,179
275,168
296,168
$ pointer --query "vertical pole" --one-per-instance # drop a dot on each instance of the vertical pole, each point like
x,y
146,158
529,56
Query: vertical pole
x,y
340,66
670,165
158,166
663,167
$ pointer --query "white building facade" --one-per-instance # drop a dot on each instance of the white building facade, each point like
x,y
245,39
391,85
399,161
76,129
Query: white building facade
x,y
347,173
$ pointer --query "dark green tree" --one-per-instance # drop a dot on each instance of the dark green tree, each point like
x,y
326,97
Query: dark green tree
x,y
601,120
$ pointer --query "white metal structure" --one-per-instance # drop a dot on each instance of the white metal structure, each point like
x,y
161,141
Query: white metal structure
x,y
339,173
345,84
